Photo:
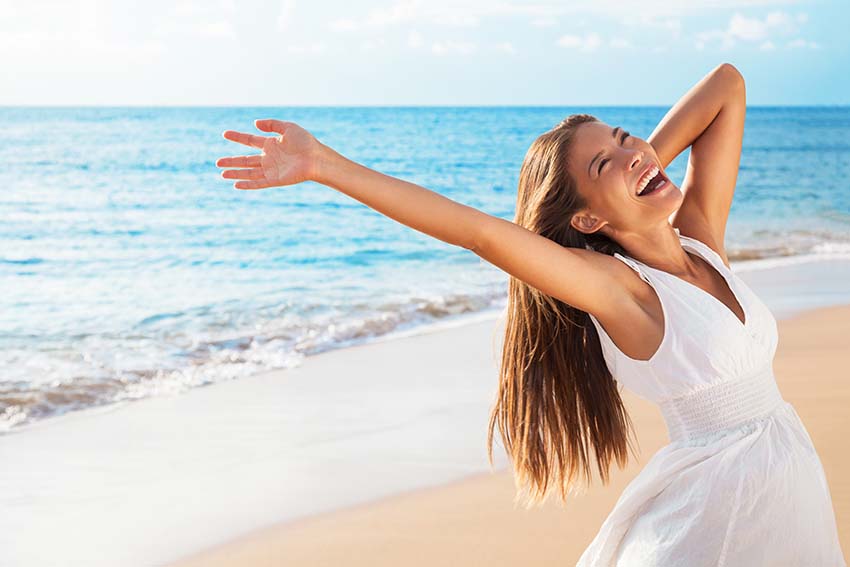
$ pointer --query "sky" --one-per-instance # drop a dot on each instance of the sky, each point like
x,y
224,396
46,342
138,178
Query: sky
x,y
417,52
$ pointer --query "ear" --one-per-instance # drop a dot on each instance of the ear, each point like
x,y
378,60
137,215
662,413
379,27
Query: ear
x,y
584,221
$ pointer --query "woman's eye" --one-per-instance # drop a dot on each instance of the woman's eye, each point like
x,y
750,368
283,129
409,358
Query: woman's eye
x,y
622,140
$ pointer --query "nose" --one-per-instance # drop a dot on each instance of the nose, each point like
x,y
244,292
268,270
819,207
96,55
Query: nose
x,y
636,160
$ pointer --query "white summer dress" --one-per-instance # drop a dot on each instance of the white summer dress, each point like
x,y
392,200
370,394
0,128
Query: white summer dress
x,y
740,483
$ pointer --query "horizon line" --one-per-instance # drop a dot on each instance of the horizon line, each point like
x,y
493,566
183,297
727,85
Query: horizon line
x,y
34,106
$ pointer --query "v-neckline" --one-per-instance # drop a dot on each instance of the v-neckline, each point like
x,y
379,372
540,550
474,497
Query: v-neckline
x,y
729,284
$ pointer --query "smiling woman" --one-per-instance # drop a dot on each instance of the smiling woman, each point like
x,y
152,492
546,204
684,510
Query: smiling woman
x,y
603,290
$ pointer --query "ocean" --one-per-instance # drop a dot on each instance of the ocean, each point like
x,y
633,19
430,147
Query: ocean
x,y
130,268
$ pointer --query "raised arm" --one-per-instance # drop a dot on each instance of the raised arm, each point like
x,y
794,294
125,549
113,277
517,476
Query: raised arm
x,y
405,202
710,119
582,278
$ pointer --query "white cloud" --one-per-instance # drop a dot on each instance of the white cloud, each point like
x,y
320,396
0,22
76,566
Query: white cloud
x,y
343,25
541,13
506,47
802,43
414,39
569,41
206,20
410,11
726,41
754,30
71,37
373,44
307,48
651,24
284,17
782,22
448,47
747,29
68,51
397,13
544,22
619,43
215,30
457,13
767,46
588,42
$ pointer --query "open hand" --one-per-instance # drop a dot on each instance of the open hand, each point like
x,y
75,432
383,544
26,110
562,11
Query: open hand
x,y
285,160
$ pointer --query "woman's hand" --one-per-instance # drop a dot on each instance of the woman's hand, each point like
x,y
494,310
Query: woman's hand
x,y
287,159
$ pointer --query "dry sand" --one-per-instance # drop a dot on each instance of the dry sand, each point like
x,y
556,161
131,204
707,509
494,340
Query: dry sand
x,y
474,522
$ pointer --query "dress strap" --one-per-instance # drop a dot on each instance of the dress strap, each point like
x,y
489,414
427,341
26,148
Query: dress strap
x,y
633,264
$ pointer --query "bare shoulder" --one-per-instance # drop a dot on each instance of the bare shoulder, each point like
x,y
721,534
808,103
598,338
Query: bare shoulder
x,y
587,280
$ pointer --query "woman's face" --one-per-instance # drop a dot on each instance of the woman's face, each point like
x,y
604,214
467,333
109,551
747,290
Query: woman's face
x,y
608,164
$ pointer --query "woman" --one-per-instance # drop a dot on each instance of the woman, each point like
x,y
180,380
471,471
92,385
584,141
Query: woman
x,y
605,288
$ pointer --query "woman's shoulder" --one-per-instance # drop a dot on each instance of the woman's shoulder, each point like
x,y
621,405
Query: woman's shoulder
x,y
622,270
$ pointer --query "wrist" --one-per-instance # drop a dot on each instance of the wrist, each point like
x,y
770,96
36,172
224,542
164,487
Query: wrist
x,y
324,158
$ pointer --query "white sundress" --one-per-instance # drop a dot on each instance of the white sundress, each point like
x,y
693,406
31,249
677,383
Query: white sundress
x,y
740,483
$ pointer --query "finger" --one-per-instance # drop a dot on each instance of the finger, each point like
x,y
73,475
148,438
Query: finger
x,y
247,139
252,184
272,125
254,173
240,161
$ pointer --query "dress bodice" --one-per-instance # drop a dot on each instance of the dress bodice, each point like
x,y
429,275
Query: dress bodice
x,y
740,482
706,352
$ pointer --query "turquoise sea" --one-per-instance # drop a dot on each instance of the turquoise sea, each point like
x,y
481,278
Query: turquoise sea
x,y
129,268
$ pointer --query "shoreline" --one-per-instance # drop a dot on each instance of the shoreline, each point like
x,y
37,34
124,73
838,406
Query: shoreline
x,y
472,520
147,484
826,271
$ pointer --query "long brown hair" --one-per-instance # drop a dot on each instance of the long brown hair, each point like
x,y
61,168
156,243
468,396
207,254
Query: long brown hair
x,y
557,399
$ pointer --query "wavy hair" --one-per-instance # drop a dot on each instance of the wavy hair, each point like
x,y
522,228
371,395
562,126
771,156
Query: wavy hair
x,y
557,401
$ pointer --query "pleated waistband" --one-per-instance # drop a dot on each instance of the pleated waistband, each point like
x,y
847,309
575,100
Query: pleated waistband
x,y
721,406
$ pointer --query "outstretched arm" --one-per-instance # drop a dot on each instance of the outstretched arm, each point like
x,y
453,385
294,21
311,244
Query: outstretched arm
x,y
298,156
405,202
584,279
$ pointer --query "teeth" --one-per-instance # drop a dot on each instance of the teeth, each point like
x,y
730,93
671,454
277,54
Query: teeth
x,y
649,175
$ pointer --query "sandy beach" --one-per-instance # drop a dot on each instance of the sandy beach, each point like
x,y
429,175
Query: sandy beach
x,y
372,454
473,521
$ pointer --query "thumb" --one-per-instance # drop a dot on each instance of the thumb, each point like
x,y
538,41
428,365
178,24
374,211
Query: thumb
x,y
271,125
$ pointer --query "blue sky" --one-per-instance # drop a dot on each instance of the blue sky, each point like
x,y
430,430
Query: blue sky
x,y
417,52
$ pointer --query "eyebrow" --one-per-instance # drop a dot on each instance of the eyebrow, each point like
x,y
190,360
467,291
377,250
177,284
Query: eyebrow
x,y
596,157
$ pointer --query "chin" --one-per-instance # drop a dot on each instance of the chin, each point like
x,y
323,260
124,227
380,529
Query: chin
x,y
675,198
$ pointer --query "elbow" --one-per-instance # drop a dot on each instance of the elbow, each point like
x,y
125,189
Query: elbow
x,y
468,230
478,236
734,75
473,244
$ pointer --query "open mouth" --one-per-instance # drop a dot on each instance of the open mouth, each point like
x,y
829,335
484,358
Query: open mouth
x,y
655,183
